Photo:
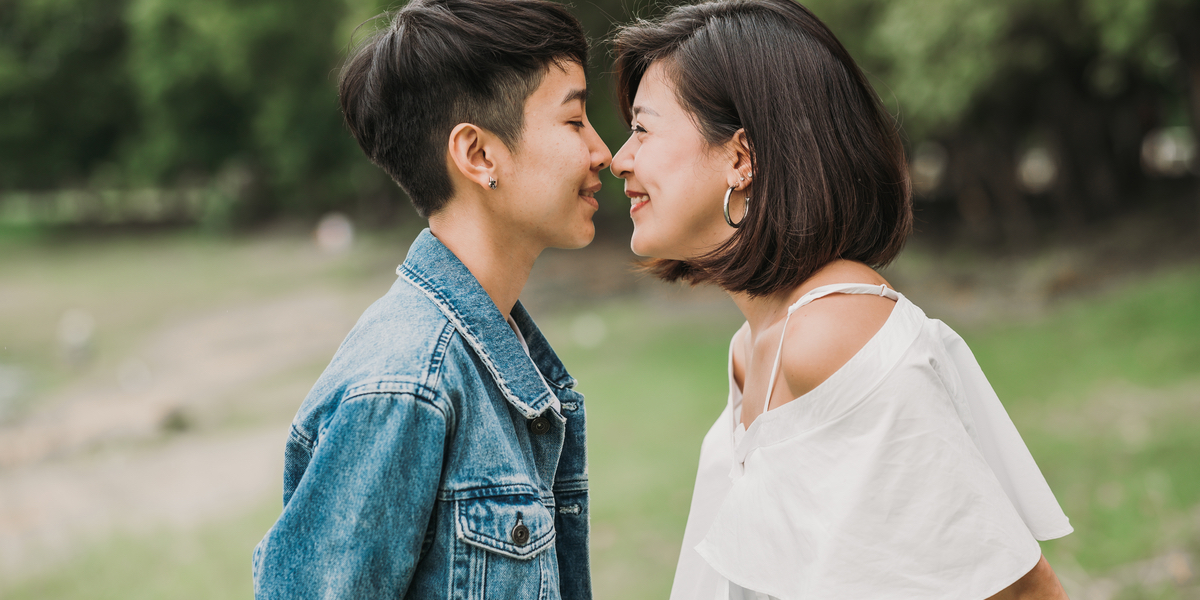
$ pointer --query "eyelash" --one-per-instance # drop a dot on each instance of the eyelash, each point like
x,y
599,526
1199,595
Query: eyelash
x,y
635,128
577,124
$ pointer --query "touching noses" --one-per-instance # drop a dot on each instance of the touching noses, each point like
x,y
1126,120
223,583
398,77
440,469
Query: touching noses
x,y
601,155
622,163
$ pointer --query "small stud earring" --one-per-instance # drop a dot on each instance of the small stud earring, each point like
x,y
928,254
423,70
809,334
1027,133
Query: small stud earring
x,y
492,183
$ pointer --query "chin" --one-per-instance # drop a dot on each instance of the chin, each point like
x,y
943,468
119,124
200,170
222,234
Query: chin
x,y
641,246
584,240
580,238
648,250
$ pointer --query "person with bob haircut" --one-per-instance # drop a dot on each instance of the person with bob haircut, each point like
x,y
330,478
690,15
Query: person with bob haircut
x,y
441,453
862,453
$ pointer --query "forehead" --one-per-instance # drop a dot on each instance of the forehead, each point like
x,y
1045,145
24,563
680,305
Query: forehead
x,y
656,94
560,82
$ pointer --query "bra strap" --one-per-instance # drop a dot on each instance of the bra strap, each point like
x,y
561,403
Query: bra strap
x,y
816,294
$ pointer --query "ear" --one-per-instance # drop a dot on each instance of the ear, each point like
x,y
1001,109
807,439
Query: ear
x,y
741,169
472,151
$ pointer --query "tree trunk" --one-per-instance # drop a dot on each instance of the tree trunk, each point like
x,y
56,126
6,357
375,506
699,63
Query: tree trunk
x,y
999,171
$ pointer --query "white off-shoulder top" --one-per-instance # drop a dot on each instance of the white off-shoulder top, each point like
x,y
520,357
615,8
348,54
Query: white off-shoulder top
x,y
899,477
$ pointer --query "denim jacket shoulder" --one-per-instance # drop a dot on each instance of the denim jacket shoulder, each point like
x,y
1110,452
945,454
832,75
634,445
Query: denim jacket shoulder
x,y
411,427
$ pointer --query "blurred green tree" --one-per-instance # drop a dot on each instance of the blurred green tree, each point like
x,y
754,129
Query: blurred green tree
x,y
242,95
1083,80
65,98
239,84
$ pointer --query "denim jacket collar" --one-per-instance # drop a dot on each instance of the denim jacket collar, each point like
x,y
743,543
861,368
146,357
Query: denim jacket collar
x,y
433,269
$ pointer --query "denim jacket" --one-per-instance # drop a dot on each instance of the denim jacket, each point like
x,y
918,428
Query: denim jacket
x,y
428,460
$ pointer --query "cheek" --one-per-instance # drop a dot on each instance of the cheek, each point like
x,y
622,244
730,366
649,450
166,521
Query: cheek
x,y
549,169
685,210
570,161
682,187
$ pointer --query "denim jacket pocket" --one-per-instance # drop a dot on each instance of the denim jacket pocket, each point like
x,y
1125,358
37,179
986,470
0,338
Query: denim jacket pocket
x,y
517,526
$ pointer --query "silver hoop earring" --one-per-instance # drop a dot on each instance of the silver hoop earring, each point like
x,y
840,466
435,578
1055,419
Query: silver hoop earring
x,y
744,211
492,183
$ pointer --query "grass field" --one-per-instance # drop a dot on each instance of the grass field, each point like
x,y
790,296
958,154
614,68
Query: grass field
x,y
1105,389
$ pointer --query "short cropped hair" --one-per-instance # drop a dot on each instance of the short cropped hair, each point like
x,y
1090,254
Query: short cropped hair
x,y
439,63
830,177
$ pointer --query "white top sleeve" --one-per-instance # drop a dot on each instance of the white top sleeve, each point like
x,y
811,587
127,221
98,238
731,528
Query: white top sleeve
x,y
997,439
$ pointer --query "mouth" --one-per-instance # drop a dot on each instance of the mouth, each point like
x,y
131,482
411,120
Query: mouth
x,y
588,195
636,200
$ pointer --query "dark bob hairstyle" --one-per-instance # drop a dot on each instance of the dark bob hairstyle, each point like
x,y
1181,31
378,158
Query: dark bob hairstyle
x,y
830,178
439,63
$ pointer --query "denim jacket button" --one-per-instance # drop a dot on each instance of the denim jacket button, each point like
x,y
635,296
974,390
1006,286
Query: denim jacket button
x,y
539,425
520,534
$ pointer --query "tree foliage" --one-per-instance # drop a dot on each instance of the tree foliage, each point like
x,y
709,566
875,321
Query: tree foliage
x,y
163,93
1081,81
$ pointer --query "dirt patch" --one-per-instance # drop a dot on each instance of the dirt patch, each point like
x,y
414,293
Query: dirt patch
x,y
97,459
49,510
195,362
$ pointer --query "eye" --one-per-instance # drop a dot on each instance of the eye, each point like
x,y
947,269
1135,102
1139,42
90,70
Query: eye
x,y
636,128
576,124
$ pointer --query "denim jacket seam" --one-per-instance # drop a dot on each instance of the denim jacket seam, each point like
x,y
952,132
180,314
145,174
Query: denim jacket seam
x,y
488,491
420,393
431,291
432,373
451,312
305,440
570,487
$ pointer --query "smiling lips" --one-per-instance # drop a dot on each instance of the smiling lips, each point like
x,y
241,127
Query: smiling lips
x,y
636,200
589,195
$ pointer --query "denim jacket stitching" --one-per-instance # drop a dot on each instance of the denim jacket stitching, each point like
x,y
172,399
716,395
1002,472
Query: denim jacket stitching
x,y
448,309
430,290
433,372
425,390
571,485
305,441
465,531
513,489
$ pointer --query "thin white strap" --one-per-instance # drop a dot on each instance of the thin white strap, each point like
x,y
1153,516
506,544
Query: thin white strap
x,y
778,357
844,288
816,294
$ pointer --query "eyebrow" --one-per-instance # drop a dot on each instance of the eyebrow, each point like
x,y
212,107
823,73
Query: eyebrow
x,y
576,94
642,109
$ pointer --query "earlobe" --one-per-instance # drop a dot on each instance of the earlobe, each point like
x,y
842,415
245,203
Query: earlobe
x,y
470,149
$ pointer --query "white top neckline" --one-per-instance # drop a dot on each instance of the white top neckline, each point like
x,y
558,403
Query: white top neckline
x,y
900,476
746,439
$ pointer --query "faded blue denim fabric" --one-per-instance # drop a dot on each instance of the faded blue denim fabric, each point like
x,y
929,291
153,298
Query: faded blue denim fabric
x,y
428,461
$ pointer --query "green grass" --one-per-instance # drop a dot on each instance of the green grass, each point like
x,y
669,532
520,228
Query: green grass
x,y
1105,390
133,286
1147,334
1107,395
208,563
653,390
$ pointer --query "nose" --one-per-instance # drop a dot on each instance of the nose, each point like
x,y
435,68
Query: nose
x,y
599,153
622,163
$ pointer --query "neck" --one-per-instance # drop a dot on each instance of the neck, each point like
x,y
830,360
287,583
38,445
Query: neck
x,y
499,260
762,312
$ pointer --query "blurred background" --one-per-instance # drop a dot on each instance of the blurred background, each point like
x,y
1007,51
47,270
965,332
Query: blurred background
x,y
187,232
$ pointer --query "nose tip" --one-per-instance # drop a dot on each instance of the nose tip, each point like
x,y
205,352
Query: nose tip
x,y
606,155
612,163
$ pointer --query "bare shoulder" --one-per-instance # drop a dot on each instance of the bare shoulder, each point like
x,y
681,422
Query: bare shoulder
x,y
825,334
